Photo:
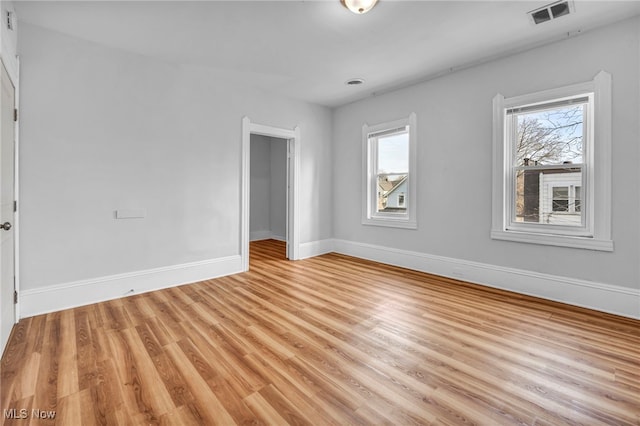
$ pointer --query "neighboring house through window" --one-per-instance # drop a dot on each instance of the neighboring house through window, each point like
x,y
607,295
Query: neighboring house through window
x,y
389,181
552,171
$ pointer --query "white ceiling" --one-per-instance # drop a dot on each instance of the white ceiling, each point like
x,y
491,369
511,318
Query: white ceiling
x,y
308,49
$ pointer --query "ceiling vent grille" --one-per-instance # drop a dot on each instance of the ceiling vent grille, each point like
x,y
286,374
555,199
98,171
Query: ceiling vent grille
x,y
551,11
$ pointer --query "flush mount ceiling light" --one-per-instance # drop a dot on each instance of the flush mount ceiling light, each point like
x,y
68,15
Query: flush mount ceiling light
x,y
354,82
359,6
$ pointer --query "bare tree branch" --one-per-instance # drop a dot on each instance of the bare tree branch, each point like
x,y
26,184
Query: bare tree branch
x,y
550,137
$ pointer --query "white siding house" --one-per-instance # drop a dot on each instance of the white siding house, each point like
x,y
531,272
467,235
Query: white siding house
x,y
396,198
560,198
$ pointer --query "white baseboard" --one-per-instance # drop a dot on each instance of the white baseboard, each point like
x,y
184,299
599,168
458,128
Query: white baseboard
x,y
70,295
265,235
316,248
613,299
599,296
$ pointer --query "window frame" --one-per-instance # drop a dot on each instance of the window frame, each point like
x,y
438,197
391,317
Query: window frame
x,y
595,233
586,227
370,213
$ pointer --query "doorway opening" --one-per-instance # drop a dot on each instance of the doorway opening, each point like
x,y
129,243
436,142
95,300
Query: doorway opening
x,y
285,142
268,192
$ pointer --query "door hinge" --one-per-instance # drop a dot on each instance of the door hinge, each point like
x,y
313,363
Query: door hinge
x,y
10,20
15,297
15,114
15,206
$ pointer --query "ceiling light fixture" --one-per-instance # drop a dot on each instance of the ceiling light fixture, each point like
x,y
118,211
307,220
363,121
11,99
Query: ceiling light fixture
x,y
354,82
359,6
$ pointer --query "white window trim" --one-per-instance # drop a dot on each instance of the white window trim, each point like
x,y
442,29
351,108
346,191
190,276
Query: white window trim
x,y
369,214
598,178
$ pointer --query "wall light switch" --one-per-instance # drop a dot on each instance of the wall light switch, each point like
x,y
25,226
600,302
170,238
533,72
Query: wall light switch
x,y
131,213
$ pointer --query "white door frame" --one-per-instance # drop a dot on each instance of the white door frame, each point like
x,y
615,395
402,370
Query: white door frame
x,y
16,193
12,72
293,166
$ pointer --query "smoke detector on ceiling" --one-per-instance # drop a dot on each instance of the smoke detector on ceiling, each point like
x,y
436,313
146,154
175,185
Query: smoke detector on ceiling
x,y
552,11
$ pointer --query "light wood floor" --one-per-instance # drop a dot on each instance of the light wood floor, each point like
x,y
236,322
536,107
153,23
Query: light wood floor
x,y
328,340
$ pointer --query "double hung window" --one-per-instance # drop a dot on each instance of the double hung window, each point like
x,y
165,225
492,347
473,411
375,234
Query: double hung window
x,y
389,181
550,143
552,172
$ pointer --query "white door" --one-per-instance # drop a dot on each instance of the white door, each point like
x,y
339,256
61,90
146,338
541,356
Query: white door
x,y
7,146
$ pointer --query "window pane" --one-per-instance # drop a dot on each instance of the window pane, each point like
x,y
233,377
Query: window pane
x,y
550,136
393,168
544,196
393,153
560,201
578,199
392,193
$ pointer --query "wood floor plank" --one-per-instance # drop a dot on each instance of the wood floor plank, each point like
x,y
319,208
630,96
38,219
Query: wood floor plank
x,y
208,406
67,354
183,416
145,378
106,394
69,409
330,340
238,374
198,352
135,395
88,408
261,408
285,406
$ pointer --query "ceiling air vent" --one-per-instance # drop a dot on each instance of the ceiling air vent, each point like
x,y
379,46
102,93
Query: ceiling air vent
x,y
551,11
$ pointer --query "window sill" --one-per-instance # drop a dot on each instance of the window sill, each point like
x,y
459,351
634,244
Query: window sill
x,y
553,240
391,223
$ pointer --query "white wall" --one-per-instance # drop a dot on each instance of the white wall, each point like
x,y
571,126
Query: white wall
x,y
268,176
278,189
260,188
454,115
103,130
